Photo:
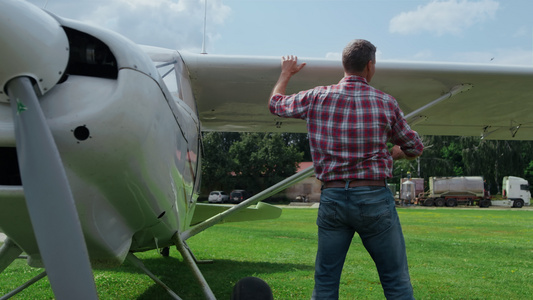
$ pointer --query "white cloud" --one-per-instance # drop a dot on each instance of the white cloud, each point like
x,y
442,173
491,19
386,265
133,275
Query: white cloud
x,y
443,17
176,24
334,55
164,23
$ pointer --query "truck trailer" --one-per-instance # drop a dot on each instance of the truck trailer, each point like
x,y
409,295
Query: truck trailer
x,y
451,191
472,190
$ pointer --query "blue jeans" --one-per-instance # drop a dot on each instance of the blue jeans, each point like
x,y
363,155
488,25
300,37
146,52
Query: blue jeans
x,y
370,211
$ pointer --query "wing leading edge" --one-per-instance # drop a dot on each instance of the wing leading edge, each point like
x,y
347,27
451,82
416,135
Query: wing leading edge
x,y
488,101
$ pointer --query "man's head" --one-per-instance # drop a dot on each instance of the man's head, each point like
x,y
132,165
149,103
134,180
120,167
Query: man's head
x,y
359,58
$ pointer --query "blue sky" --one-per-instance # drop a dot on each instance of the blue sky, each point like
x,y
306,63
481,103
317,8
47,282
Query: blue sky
x,y
476,31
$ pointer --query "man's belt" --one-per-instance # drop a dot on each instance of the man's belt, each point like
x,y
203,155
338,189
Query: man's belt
x,y
354,183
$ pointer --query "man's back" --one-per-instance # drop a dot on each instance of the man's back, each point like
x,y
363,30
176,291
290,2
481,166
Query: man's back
x,y
349,124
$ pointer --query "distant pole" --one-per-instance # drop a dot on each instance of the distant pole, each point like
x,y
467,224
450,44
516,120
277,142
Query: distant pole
x,y
418,168
205,25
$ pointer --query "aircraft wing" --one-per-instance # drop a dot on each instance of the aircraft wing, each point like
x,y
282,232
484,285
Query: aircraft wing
x,y
489,101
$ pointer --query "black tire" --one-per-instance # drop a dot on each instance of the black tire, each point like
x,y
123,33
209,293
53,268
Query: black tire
x,y
439,202
518,203
451,202
165,252
484,203
428,202
251,288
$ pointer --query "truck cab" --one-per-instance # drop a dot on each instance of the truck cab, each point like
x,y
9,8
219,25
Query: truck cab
x,y
515,192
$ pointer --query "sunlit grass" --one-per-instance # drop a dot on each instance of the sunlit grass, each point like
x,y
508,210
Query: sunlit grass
x,y
453,254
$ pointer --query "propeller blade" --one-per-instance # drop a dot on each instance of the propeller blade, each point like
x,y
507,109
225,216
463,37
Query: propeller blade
x,y
49,199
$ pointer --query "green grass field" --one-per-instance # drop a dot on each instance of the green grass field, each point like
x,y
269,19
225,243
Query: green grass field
x,y
453,253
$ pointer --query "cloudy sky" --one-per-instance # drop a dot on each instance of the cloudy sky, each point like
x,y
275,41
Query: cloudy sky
x,y
477,31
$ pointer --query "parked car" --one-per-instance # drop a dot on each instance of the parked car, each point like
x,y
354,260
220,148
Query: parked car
x,y
218,197
237,196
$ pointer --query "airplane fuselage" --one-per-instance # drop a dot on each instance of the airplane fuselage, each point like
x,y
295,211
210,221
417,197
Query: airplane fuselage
x,y
128,141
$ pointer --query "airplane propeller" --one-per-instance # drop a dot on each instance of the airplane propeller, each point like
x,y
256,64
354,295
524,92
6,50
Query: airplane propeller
x,y
50,203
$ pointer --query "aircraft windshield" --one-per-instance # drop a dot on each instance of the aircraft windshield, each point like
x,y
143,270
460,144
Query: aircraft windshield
x,y
174,73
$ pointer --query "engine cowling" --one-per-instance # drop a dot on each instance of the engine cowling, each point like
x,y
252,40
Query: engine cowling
x,y
33,45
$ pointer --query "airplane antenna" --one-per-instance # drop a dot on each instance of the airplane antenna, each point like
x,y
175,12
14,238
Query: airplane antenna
x,y
205,25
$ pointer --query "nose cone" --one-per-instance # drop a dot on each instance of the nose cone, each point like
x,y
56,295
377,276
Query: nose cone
x,y
33,45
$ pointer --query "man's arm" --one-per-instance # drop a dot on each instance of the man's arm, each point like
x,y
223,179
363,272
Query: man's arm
x,y
289,67
397,153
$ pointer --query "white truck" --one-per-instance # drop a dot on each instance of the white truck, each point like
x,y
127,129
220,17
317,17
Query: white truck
x,y
515,192
471,190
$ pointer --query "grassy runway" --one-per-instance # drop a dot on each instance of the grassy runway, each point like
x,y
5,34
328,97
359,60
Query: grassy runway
x,y
453,254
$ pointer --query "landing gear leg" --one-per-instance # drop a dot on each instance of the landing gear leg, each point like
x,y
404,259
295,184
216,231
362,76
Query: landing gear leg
x,y
8,253
204,261
191,261
139,264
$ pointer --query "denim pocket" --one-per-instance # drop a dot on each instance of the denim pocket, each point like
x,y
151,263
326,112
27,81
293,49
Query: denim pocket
x,y
327,215
375,215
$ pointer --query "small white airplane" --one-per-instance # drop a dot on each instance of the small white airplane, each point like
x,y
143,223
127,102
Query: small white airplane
x,y
100,138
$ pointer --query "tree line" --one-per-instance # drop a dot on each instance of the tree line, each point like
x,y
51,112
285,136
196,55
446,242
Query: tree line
x,y
255,161
249,161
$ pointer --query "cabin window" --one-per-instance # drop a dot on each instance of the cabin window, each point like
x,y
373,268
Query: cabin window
x,y
176,78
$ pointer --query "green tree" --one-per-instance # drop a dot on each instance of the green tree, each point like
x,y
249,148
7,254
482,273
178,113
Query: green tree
x,y
262,159
301,142
452,152
528,172
435,161
495,159
216,164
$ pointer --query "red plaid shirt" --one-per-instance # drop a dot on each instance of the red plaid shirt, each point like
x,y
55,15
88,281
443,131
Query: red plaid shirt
x,y
349,125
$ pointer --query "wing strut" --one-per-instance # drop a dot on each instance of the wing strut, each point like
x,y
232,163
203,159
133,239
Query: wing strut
x,y
415,117
253,200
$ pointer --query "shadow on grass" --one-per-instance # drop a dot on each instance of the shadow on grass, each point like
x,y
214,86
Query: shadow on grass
x,y
221,275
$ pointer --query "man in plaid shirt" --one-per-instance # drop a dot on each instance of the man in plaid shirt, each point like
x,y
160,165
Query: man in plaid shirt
x,y
349,125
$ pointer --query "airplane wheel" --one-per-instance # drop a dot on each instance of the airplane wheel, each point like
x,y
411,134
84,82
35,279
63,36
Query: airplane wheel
x,y
165,252
251,288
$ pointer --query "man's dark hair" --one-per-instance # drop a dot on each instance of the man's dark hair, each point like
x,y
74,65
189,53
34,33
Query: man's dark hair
x,y
357,54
